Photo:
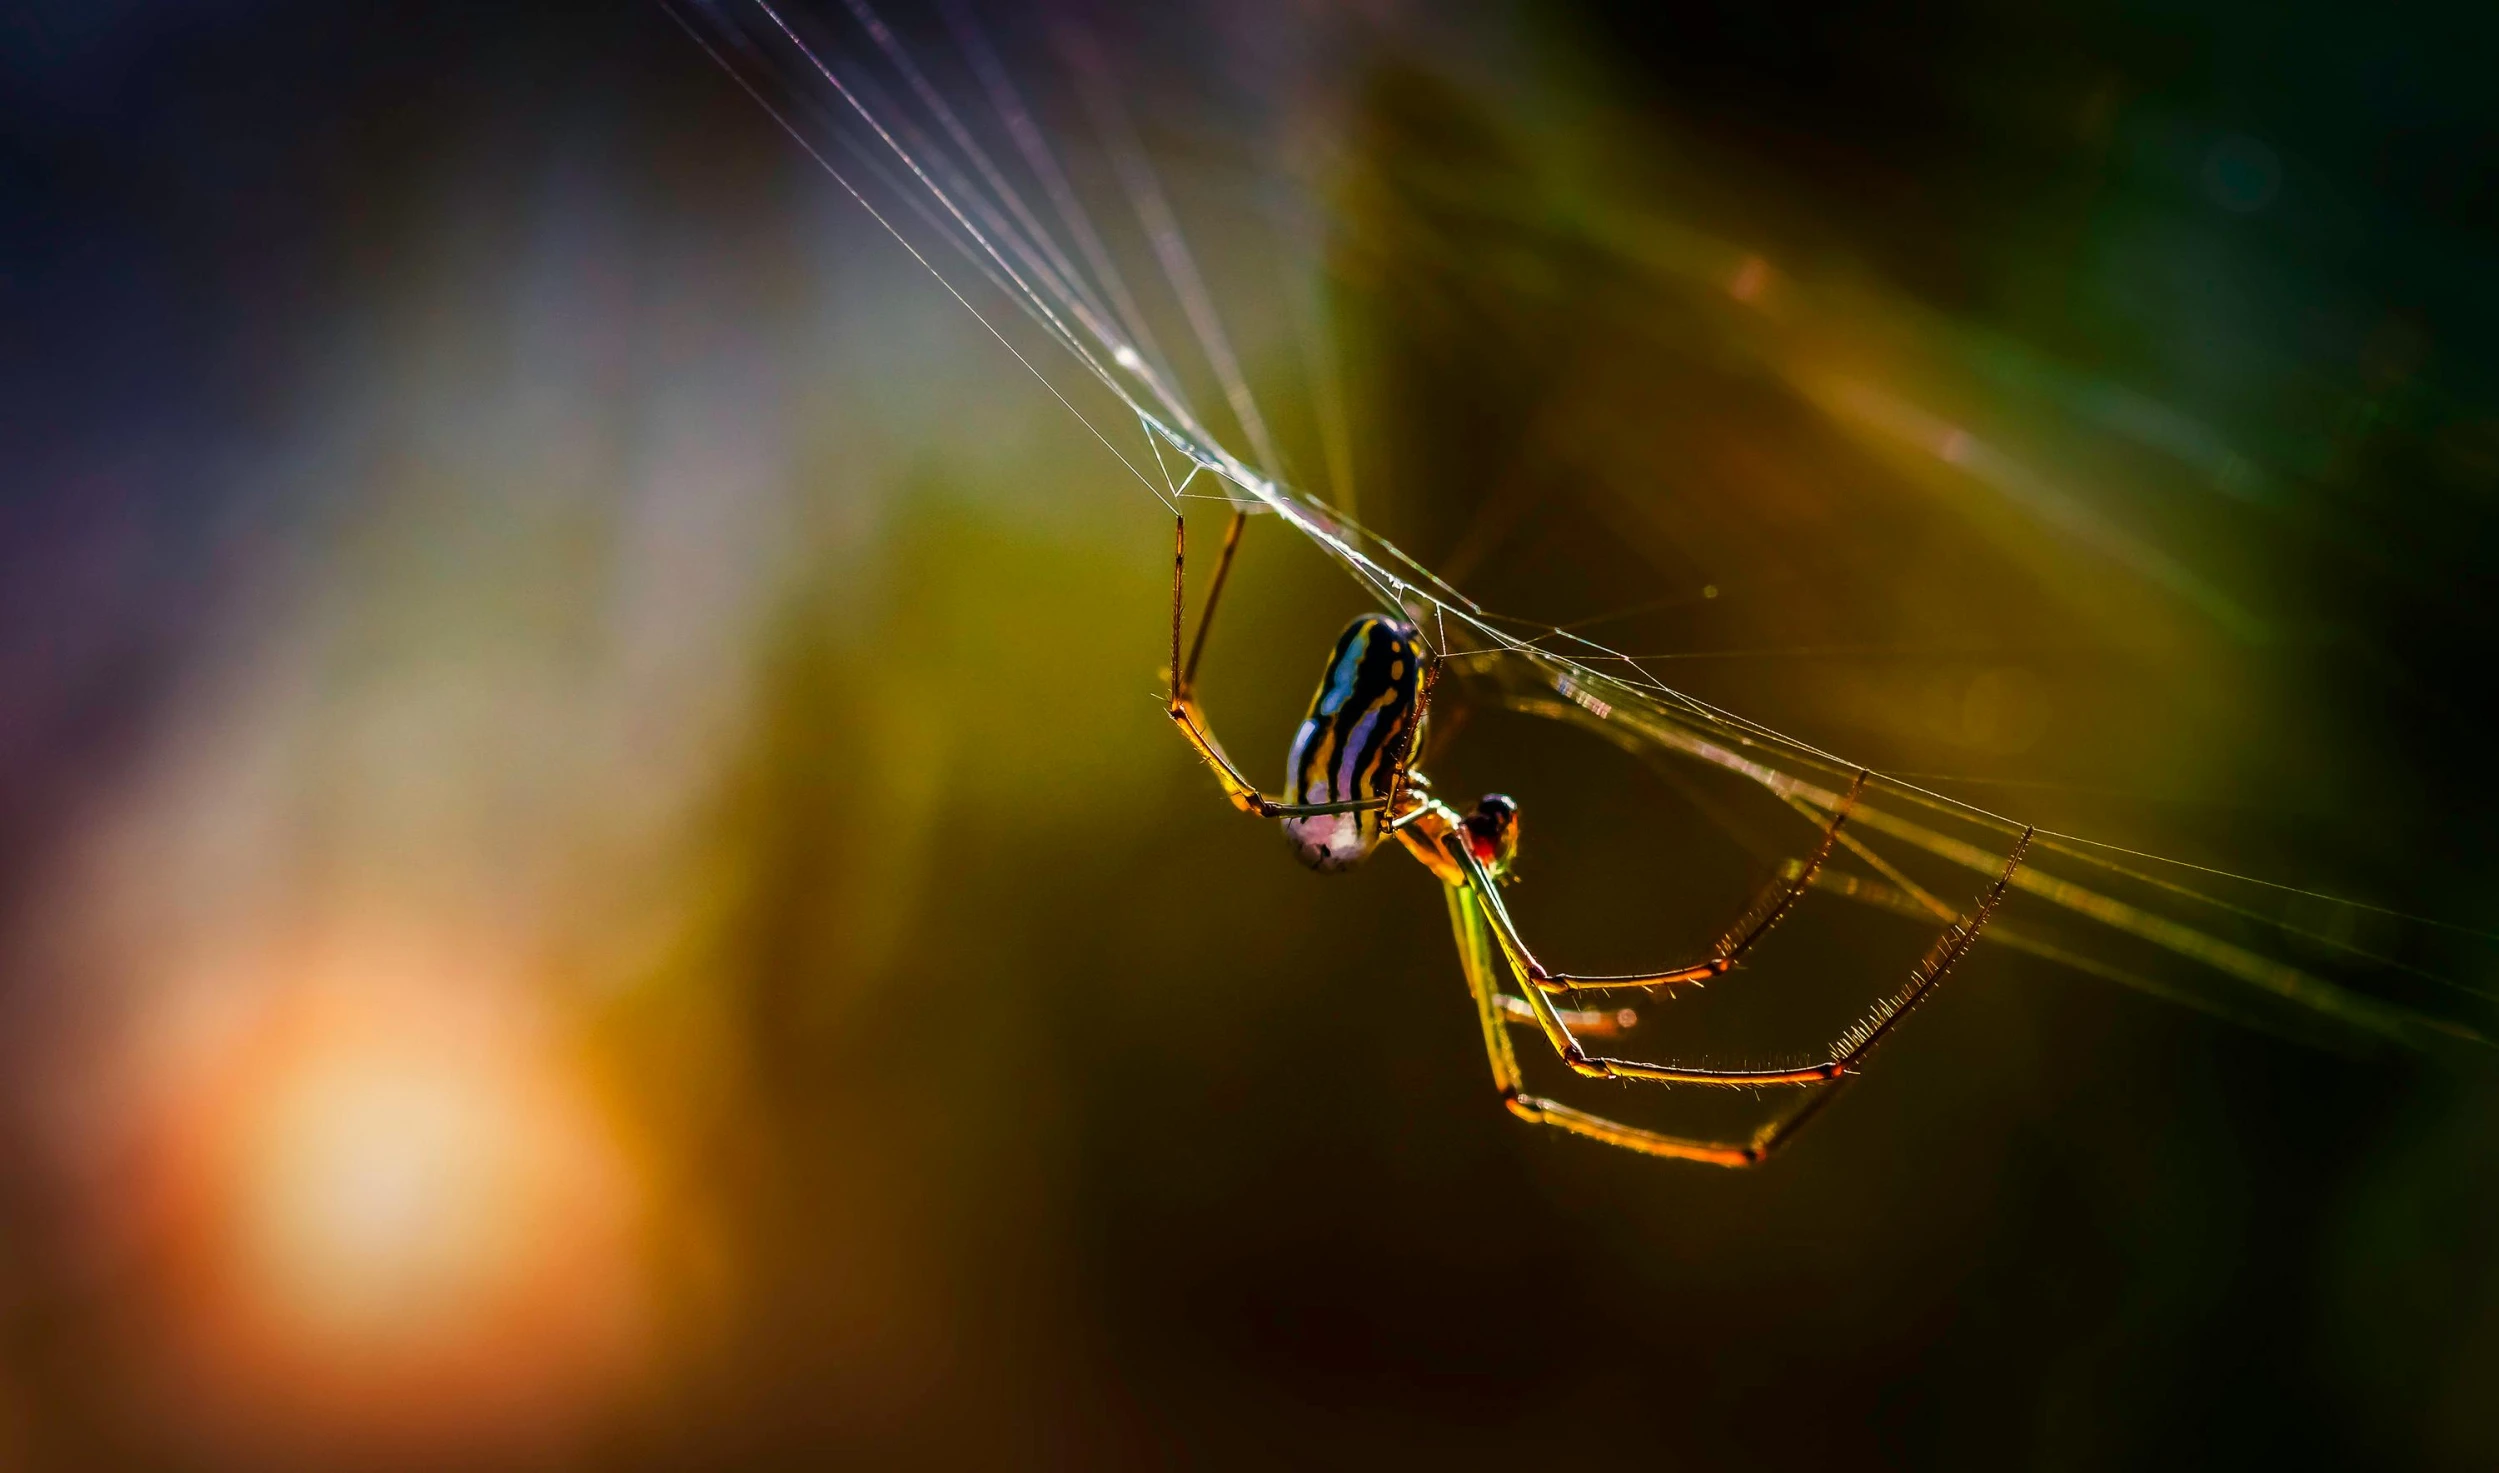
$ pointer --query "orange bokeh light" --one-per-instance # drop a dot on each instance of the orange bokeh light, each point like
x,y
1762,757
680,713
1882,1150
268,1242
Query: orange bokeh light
x,y
396,1214
381,1192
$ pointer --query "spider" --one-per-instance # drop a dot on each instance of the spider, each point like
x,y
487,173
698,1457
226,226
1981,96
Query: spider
x,y
1353,781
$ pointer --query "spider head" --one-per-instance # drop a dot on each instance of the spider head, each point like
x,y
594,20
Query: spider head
x,y
1492,832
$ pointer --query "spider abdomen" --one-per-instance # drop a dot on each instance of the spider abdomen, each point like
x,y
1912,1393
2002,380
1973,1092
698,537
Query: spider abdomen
x,y
1348,747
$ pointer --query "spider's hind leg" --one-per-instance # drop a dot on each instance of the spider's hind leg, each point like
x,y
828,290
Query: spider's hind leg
x,y
1181,698
1183,676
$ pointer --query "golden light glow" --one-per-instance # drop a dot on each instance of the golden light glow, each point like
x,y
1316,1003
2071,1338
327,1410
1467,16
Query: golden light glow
x,y
399,1211
383,1190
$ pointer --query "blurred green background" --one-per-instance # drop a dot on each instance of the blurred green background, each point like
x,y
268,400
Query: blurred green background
x,y
594,877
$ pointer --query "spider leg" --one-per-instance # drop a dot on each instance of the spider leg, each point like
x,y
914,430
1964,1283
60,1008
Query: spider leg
x,y
1584,1023
1769,907
1182,701
1244,793
1846,1053
1185,681
1475,956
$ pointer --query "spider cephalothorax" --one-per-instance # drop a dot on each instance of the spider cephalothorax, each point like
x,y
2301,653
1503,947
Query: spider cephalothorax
x,y
1492,833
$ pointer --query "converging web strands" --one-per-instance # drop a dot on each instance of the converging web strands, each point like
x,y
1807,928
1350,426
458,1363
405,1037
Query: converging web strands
x,y
937,137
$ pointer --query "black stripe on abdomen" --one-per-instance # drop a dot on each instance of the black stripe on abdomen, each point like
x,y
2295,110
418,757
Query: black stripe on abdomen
x,y
1346,748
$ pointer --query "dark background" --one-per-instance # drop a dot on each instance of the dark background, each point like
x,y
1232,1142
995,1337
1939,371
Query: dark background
x,y
993,1094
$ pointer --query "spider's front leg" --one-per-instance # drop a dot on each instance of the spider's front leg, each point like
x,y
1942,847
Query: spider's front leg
x,y
1851,1049
1769,907
1480,942
1476,952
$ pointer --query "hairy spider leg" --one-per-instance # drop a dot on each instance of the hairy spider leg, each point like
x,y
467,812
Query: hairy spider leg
x,y
1849,1050
1475,957
1768,908
1182,699
1401,782
1588,1023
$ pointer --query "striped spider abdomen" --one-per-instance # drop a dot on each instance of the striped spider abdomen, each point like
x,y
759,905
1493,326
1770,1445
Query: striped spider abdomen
x,y
1349,746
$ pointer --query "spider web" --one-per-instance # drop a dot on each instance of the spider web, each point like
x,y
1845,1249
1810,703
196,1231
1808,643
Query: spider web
x,y
1006,212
